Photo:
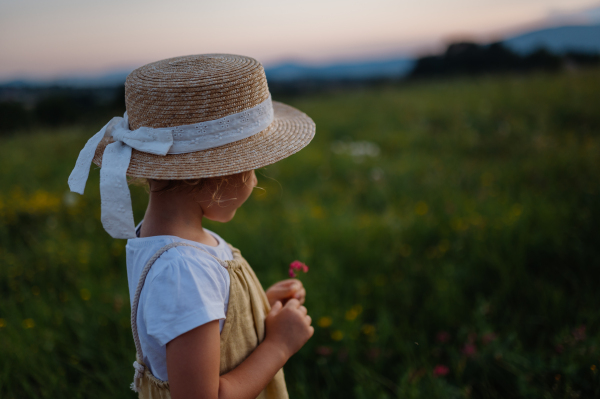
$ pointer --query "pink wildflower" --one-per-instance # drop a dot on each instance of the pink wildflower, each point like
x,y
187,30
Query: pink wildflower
x,y
469,349
297,266
442,337
487,338
440,370
324,350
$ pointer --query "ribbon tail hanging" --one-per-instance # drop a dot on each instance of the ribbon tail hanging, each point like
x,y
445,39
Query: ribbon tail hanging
x,y
117,215
80,173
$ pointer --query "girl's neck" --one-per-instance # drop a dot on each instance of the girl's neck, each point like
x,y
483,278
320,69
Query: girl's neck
x,y
175,213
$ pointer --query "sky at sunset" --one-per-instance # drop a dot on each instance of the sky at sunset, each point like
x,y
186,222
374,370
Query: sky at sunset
x,y
57,38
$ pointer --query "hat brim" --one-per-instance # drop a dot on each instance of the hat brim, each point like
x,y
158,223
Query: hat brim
x,y
290,131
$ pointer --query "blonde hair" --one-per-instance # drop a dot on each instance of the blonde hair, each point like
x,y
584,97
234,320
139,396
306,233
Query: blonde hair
x,y
215,185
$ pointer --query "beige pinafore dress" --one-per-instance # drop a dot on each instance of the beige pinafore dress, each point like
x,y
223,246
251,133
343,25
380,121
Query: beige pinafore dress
x,y
243,330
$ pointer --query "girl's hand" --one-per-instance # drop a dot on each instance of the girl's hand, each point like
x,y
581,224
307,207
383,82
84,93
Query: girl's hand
x,y
286,290
288,326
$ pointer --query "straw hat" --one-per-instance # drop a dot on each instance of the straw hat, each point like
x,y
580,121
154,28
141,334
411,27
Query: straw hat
x,y
199,88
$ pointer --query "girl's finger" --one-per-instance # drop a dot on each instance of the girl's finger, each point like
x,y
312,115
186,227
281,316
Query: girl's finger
x,y
289,288
300,294
292,303
290,281
303,310
276,307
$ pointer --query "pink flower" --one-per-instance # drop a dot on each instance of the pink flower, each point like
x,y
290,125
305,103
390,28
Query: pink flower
x,y
324,350
442,337
487,338
297,266
469,349
440,370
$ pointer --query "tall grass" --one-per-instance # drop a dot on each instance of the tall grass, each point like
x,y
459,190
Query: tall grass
x,y
451,228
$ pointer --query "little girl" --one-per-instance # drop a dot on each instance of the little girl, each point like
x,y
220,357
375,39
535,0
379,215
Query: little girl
x,y
196,127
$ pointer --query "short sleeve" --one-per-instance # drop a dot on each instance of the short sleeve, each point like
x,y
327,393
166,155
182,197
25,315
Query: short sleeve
x,y
185,293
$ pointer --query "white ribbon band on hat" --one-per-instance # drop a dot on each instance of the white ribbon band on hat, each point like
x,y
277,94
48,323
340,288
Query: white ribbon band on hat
x,y
117,215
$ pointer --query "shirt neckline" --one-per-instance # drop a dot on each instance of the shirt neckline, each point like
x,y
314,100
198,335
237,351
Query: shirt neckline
x,y
220,241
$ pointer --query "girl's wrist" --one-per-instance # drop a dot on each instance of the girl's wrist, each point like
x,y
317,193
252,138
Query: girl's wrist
x,y
278,350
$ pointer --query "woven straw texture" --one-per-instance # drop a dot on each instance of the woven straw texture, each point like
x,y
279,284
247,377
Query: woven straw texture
x,y
198,88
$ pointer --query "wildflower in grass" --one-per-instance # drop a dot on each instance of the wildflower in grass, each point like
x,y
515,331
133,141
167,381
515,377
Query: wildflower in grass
x,y
368,329
70,199
376,174
324,350
324,322
85,294
2,323
28,323
353,312
440,370
356,149
337,335
442,337
459,224
469,349
487,338
295,267
317,212
405,250
421,208
443,246
593,368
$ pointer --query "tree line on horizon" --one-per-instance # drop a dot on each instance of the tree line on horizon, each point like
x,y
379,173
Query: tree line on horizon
x,y
58,106
468,58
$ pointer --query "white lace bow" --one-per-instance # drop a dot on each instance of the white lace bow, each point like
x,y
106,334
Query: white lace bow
x,y
117,215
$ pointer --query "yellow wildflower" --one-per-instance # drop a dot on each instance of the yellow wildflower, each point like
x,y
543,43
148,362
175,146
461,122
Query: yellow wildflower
x,y
28,323
85,294
421,208
337,335
324,322
353,313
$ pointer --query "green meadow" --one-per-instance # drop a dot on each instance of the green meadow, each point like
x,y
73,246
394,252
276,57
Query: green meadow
x,y
451,228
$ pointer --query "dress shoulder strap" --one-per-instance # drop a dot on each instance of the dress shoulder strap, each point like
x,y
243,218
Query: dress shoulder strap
x,y
140,286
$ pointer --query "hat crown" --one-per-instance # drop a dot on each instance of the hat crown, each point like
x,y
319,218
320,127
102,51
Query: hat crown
x,y
192,89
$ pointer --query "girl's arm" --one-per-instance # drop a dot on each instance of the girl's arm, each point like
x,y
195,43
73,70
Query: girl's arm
x,y
193,358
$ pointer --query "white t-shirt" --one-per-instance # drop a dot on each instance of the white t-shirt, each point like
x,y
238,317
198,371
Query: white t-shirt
x,y
184,289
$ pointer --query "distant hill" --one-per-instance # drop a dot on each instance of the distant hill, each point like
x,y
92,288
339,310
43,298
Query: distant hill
x,y
116,78
558,40
390,68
